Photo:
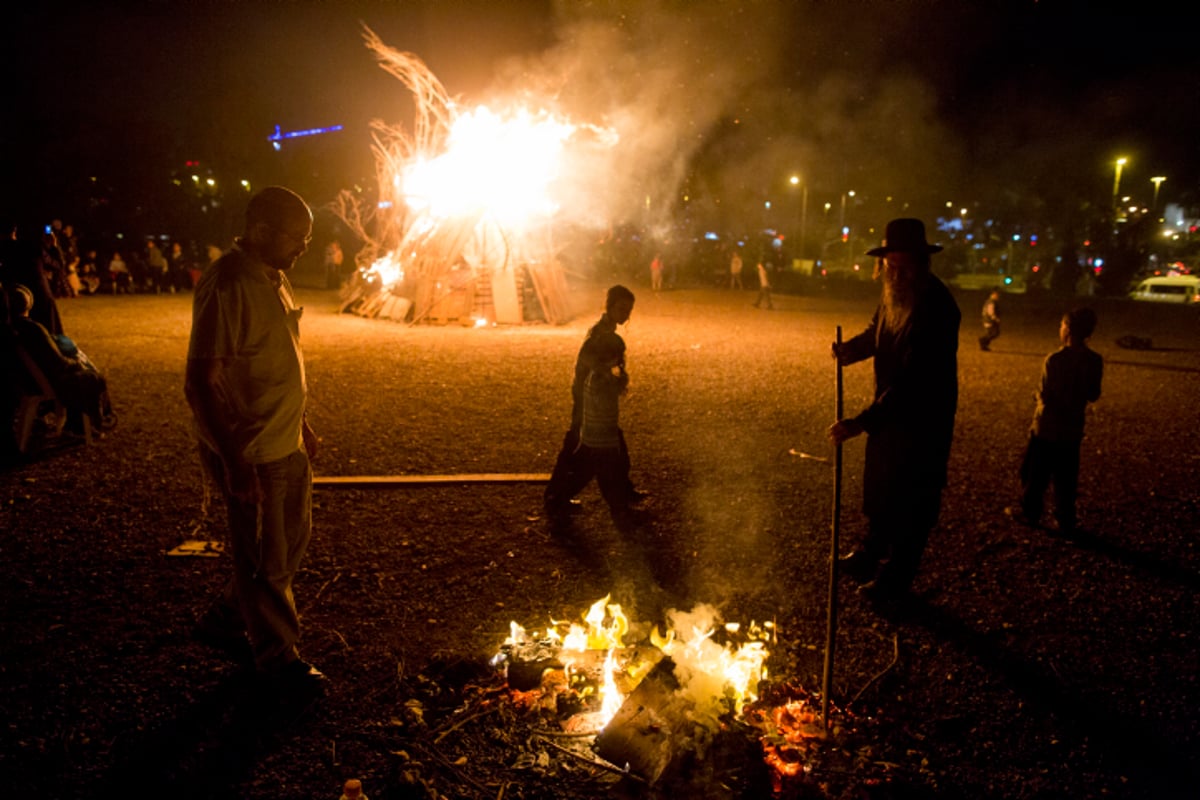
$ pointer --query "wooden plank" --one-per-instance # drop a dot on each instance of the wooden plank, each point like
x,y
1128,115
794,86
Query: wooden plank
x,y
420,481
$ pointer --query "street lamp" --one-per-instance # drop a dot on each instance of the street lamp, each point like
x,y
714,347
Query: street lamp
x,y
1117,182
796,181
1157,181
845,230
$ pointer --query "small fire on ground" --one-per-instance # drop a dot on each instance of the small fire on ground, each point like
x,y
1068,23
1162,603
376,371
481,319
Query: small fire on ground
x,y
655,700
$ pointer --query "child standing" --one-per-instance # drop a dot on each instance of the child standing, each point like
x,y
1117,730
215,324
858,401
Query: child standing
x,y
1070,380
991,320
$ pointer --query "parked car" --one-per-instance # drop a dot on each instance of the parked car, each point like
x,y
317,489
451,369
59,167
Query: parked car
x,y
1169,289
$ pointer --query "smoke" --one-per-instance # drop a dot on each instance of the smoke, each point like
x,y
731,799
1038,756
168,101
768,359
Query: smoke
x,y
661,76
722,100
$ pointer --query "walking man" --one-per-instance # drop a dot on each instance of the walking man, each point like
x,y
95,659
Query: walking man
x,y
913,342
572,469
246,387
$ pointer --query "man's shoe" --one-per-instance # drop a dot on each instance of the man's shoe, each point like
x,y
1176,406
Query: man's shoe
x,y
296,677
1065,530
882,591
860,565
1019,516
559,514
232,643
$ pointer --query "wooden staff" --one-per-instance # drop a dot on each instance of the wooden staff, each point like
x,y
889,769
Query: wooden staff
x,y
831,628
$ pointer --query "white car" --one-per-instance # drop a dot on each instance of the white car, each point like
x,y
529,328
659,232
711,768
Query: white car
x,y
1169,289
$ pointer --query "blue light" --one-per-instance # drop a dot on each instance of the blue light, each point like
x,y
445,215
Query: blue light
x,y
712,237
279,135
1007,280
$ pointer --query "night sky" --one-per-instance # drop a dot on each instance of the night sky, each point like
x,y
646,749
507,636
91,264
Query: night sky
x,y
938,100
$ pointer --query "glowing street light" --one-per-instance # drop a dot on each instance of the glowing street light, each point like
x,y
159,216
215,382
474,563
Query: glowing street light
x,y
1157,181
796,181
846,230
1117,181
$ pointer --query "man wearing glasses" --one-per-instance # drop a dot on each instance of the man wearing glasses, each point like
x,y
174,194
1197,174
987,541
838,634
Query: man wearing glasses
x,y
245,384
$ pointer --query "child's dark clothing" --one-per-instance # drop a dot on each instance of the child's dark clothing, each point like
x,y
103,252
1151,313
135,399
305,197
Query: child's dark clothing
x,y
1070,380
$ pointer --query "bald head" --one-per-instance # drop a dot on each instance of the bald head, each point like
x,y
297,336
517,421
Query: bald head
x,y
278,227
277,206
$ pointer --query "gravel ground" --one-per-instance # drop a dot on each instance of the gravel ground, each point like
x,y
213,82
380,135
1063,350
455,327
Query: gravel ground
x,y
1031,667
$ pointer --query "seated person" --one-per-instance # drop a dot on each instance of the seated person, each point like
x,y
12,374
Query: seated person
x,y
10,393
79,385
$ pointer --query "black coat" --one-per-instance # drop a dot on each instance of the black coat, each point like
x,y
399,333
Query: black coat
x,y
910,424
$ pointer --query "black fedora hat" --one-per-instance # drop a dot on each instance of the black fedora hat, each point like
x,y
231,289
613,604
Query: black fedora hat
x,y
906,235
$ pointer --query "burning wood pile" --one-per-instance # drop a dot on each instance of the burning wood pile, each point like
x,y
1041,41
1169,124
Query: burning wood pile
x,y
606,706
654,706
672,707
463,227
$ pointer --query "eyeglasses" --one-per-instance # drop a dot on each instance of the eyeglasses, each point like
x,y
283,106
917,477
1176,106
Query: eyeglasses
x,y
305,240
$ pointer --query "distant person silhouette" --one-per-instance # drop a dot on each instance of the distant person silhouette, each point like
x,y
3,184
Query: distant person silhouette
x,y
764,286
735,271
991,320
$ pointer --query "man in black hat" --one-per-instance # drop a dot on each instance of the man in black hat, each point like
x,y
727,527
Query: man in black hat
x,y
913,339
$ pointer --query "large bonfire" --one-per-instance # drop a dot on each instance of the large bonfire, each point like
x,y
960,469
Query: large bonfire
x,y
463,228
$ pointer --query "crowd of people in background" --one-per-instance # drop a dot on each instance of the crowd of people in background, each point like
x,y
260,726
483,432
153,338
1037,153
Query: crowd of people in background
x,y
154,265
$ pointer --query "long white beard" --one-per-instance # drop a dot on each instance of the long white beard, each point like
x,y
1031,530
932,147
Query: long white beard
x,y
899,297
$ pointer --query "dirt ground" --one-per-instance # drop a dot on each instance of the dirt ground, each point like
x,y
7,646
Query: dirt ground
x,y
1032,667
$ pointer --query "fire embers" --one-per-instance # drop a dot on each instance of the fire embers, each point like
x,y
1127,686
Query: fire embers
x,y
789,721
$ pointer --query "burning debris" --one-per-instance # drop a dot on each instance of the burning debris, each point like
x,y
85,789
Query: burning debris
x,y
463,229
655,707
606,707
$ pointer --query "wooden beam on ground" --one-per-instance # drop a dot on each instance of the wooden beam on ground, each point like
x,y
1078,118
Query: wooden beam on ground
x,y
423,481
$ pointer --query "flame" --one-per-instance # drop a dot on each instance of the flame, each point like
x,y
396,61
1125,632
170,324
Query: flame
x,y
717,675
495,165
475,189
387,269
717,678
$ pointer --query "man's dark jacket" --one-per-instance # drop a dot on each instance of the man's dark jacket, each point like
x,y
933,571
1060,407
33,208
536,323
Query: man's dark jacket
x,y
910,424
